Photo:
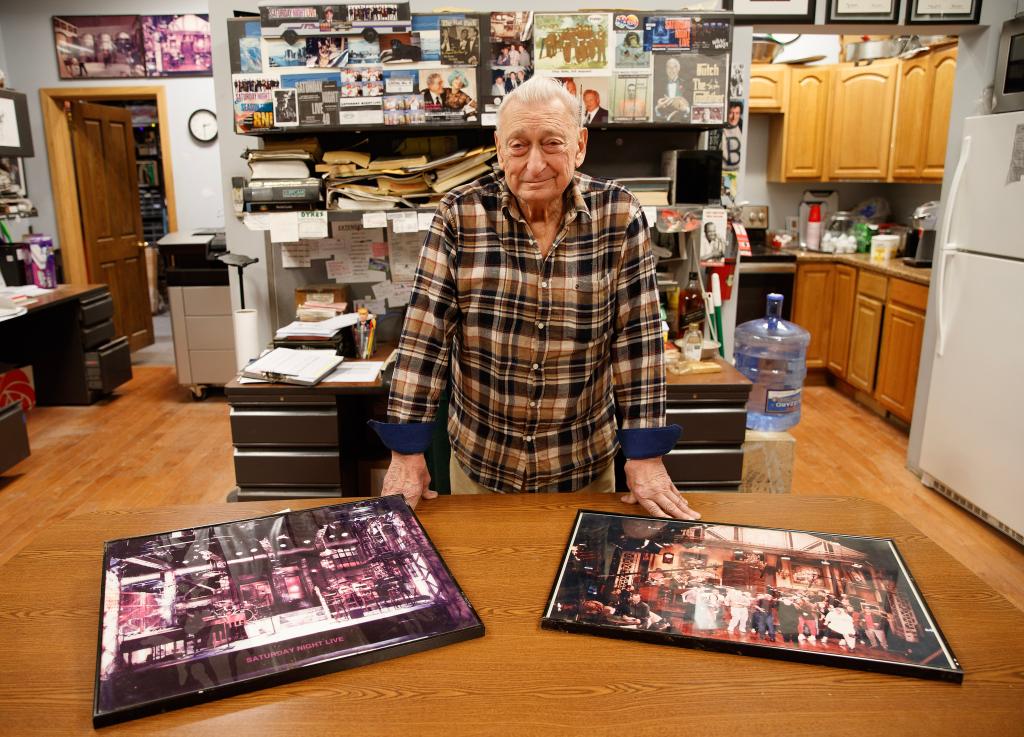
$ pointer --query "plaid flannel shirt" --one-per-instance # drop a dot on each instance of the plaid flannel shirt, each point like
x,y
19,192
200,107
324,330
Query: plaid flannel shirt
x,y
535,346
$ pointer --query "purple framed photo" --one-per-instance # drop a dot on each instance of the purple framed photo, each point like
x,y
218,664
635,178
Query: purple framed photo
x,y
197,614
810,597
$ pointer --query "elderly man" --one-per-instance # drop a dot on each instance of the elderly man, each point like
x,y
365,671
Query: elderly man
x,y
535,300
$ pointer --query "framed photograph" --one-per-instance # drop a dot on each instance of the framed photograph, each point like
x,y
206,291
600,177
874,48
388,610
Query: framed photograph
x,y
197,614
99,46
862,11
932,12
178,45
574,43
15,133
14,168
749,12
812,597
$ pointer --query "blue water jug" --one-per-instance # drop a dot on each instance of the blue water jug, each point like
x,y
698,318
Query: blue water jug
x,y
772,353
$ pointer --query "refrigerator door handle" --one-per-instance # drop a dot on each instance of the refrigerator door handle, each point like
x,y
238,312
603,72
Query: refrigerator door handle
x,y
948,249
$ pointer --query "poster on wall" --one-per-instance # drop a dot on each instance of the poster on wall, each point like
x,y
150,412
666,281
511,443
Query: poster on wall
x,y
254,101
99,46
629,42
460,41
197,614
840,600
177,45
449,95
572,42
690,88
631,98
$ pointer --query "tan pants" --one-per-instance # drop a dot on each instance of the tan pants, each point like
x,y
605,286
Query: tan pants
x,y
463,484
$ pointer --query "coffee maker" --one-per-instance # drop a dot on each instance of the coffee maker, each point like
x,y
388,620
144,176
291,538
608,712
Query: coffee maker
x,y
921,238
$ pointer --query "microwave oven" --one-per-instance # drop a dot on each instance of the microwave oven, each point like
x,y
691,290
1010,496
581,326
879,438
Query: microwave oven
x,y
1009,82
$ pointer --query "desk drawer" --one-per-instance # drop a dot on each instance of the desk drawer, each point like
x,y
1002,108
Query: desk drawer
x,y
13,436
97,309
287,468
97,334
705,465
108,366
206,300
210,332
285,426
709,425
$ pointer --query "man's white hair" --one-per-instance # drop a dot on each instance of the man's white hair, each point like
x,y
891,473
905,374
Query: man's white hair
x,y
540,91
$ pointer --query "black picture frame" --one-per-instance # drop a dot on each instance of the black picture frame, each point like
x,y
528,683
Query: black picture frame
x,y
744,18
891,16
611,558
18,105
914,18
192,615
15,167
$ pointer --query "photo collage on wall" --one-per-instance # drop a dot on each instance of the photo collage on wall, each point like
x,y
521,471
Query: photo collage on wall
x,y
362,64
116,46
378,64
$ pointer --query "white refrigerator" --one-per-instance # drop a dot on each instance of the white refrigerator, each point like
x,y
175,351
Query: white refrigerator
x,y
972,446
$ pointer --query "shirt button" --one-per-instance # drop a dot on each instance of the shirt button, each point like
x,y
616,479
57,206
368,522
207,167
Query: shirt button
x,y
540,326
544,284
533,404
536,366
529,438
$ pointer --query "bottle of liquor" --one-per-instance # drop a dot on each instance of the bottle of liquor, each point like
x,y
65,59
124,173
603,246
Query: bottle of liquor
x,y
691,306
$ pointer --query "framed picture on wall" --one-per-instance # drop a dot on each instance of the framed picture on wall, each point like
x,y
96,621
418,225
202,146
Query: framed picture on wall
x,y
14,168
931,12
749,12
847,601
15,134
178,45
99,46
862,11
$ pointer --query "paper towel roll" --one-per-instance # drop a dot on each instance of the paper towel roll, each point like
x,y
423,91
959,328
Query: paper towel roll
x,y
247,340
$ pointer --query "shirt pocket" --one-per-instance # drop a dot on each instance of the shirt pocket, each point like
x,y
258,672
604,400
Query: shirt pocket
x,y
584,308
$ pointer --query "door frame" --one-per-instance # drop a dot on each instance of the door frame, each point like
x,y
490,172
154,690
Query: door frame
x,y
62,164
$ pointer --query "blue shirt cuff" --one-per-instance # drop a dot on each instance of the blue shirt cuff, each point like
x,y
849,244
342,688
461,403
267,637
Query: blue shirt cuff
x,y
648,442
404,437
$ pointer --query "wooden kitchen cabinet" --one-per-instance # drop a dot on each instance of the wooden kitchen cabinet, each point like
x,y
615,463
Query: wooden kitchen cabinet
x,y
843,300
900,353
768,87
943,73
796,148
812,308
867,327
913,104
860,121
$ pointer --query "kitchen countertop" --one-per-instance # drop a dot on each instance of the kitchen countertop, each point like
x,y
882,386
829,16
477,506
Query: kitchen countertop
x,y
894,268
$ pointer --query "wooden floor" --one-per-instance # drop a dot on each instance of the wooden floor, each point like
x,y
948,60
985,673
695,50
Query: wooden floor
x,y
151,445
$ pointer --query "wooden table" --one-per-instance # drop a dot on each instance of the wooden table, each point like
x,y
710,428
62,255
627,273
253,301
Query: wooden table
x,y
519,679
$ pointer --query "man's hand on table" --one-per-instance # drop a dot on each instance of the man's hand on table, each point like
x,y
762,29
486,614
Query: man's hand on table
x,y
651,487
408,475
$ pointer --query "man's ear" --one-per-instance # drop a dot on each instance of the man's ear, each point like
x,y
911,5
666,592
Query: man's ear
x,y
497,146
581,152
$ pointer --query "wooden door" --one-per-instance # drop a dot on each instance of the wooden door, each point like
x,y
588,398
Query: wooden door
x,y
943,69
108,197
812,308
845,295
867,326
860,126
913,106
805,122
767,88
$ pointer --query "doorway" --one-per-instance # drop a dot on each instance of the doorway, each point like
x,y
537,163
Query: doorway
x,y
94,174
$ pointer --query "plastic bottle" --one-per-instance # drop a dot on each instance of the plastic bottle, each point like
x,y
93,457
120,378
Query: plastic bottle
x,y
693,343
814,229
771,352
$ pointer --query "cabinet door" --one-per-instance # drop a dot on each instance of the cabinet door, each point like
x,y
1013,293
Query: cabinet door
x,y
812,308
867,326
943,69
898,360
805,121
913,105
842,319
860,126
767,87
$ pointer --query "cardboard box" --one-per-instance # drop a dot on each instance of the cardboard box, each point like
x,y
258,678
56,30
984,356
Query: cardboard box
x,y
17,384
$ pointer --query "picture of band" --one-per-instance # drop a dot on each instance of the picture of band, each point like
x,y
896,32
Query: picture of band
x,y
189,611
631,98
663,32
177,45
572,41
253,101
99,46
362,82
833,599
511,26
368,14
449,95
460,41
404,110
